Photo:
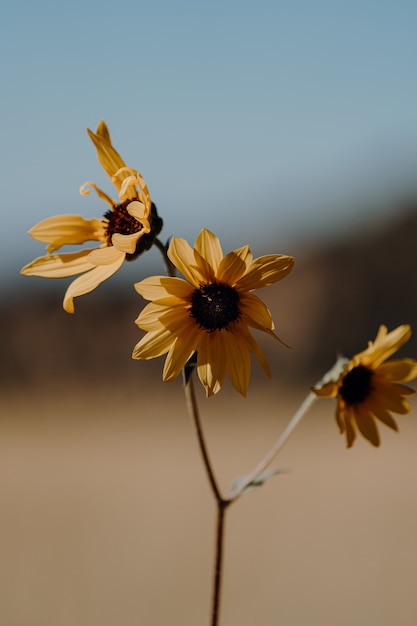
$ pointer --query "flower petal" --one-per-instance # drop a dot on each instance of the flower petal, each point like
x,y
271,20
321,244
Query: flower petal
x,y
366,425
59,265
234,265
109,158
89,281
265,271
60,230
238,362
384,346
153,344
211,364
208,254
182,256
183,347
399,370
256,312
157,287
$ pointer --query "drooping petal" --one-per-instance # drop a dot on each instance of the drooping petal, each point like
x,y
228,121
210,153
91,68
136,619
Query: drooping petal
x,y
182,349
242,333
106,256
366,425
238,362
348,419
126,243
265,271
383,415
256,312
211,364
89,281
59,265
84,191
60,230
157,287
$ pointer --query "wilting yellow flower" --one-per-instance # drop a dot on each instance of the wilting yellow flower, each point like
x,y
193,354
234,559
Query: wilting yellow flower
x,y
209,312
367,388
125,231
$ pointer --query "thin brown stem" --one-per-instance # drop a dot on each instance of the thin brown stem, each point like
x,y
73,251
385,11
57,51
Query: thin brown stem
x,y
195,415
218,564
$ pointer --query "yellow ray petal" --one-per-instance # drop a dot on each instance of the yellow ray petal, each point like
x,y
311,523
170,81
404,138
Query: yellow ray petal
x,y
238,362
89,281
265,271
106,256
256,312
399,370
153,344
208,254
366,425
234,265
59,265
67,229
211,361
157,287
182,256
182,349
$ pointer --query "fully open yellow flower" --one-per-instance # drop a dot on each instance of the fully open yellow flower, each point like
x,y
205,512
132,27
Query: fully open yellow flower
x,y
125,231
368,388
209,312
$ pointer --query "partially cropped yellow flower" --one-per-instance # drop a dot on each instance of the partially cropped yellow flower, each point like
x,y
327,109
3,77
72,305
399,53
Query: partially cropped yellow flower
x,y
126,230
367,388
209,312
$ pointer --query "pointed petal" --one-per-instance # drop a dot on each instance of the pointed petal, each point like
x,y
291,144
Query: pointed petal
x,y
265,271
171,316
211,361
157,287
366,425
255,311
67,229
89,281
237,362
184,346
110,159
182,256
59,265
234,265
399,370
153,344
385,345
208,253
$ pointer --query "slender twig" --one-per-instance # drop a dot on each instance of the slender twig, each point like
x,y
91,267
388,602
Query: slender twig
x,y
218,562
195,415
271,454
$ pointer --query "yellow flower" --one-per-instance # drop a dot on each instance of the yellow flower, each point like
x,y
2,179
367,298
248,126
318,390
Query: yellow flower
x,y
125,231
367,388
211,311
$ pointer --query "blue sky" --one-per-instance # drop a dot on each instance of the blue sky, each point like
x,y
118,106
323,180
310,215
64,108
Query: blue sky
x,y
263,121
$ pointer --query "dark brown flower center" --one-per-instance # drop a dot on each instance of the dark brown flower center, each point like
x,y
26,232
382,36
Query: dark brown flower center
x,y
214,306
356,385
120,221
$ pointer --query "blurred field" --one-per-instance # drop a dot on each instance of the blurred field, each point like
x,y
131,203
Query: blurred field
x,y
106,516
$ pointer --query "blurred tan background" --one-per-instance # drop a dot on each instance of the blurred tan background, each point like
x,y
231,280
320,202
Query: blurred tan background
x,y
106,514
